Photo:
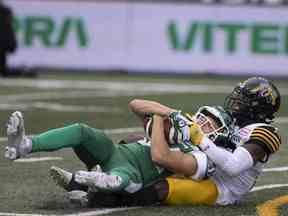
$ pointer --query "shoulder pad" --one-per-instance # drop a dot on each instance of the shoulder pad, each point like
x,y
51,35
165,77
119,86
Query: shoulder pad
x,y
267,135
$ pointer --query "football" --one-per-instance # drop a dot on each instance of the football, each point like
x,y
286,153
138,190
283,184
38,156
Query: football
x,y
172,136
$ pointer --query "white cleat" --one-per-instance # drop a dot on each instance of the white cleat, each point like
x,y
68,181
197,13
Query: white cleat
x,y
18,144
98,179
61,177
78,198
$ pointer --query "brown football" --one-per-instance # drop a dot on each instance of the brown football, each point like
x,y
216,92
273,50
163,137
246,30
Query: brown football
x,y
171,135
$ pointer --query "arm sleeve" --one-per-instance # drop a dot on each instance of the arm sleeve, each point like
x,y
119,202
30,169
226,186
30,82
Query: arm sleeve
x,y
231,163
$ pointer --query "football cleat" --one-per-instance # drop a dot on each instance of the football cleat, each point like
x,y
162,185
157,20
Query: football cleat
x,y
18,144
78,198
61,177
98,179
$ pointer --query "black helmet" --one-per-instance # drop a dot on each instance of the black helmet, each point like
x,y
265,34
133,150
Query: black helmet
x,y
254,100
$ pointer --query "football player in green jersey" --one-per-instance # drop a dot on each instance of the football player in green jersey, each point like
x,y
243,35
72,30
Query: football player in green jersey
x,y
123,168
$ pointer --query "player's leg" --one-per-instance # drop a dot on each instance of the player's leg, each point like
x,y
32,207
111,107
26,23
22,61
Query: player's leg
x,y
151,195
190,192
77,135
94,141
148,196
97,180
18,144
117,174
173,191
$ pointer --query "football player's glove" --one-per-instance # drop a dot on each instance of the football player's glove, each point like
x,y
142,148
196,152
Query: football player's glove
x,y
195,133
181,124
190,130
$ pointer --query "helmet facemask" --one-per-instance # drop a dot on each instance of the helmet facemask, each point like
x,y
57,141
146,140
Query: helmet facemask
x,y
238,104
212,123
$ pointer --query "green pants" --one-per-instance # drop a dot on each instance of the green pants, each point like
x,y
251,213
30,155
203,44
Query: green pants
x,y
132,162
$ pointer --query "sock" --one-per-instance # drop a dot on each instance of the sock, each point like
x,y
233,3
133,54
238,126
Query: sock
x,y
25,147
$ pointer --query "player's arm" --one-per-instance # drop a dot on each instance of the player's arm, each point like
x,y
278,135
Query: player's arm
x,y
143,108
175,161
264,141
243,157
231,163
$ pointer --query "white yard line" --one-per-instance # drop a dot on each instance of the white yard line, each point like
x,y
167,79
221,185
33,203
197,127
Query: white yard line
x,y
88,213
70,95
275,169
57,107
115,85
123,86
37,159
96,89
281,120
264,187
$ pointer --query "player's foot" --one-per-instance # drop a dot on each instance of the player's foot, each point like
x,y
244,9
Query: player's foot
x,y
18,144
98,179
61,177
78,198
65,179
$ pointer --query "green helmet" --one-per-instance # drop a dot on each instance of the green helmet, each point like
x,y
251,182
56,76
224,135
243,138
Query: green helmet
x,y
225,124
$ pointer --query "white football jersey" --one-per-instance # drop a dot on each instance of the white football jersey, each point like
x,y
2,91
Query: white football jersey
x,y
232,189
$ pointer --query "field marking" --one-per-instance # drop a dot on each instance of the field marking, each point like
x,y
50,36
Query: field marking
x,y
69,95
275,169
103,89
57,107
88,213
37,159
271,186
270,207
117,86
281,120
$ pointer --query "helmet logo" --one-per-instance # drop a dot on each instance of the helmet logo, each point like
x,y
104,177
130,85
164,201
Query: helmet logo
x,y
268,94
255,99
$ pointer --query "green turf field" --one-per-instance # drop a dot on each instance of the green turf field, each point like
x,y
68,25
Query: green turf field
x,y
52,101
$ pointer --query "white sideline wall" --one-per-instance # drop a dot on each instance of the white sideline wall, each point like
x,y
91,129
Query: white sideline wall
x,y
151,37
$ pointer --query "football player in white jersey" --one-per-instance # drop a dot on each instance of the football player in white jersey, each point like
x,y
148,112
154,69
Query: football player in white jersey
x,y
238,162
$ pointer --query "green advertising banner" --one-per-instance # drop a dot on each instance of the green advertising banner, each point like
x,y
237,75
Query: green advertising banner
x,y
70,34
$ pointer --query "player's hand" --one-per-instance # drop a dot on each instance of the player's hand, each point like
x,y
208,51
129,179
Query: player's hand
x,y
181,124
196,134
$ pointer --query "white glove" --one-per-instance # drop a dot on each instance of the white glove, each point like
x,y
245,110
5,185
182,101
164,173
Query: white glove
x,y
181,124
